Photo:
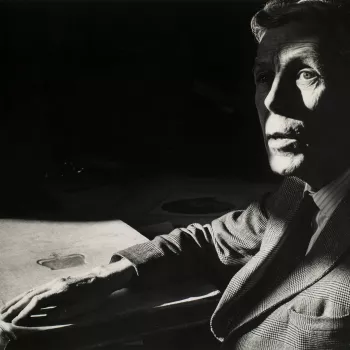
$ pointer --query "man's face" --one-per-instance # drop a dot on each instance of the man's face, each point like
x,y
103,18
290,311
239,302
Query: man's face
x,y
302,100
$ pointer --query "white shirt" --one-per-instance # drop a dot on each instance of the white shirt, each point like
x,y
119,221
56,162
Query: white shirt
x,y
327,199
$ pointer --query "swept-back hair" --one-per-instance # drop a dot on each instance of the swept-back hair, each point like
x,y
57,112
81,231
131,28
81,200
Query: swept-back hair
x,y
332,15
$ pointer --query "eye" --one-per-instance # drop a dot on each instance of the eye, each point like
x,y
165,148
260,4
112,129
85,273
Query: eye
x,y
306,75
264,77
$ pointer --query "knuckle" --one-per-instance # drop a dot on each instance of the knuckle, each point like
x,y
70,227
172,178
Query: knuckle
x,y
58,281
27,299
65,280
10,310
61,283
35,300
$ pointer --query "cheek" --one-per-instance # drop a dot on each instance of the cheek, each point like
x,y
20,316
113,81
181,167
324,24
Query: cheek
x,y
313,97
328,129
261,109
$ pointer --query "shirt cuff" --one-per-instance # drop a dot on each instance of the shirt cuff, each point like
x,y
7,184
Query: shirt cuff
x,y
139,255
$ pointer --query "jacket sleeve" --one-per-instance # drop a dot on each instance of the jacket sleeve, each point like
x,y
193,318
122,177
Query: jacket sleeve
x,y
214,251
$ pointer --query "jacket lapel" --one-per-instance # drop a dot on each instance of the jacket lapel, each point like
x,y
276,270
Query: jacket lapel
x,y
287,202
333,242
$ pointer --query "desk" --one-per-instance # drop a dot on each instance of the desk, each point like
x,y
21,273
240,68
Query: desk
x,y
24,243
126,315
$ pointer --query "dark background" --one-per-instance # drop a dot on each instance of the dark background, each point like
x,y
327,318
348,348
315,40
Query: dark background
x,y
157,85
96,89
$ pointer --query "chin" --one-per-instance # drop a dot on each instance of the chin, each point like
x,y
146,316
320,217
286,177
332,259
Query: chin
x,y
287,164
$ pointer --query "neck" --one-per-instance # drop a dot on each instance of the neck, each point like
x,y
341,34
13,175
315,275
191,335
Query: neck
x,y
318,178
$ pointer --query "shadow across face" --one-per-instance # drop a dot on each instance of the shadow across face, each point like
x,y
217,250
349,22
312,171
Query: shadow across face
x,y
301,101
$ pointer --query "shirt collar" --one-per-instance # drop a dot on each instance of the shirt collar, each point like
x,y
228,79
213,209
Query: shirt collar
x,y
329,196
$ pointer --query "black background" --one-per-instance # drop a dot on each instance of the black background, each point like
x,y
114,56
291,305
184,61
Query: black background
x,y
124,81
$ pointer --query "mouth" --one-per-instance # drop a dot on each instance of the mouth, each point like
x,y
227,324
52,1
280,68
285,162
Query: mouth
x,y
284,142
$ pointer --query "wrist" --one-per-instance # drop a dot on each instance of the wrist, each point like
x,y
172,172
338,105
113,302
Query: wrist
x,y
117,275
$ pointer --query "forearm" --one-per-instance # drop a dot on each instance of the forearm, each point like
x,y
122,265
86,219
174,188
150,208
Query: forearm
x,y
211,251
115,275
174,257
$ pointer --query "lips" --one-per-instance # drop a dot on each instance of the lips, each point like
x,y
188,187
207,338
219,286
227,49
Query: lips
x,y
284,142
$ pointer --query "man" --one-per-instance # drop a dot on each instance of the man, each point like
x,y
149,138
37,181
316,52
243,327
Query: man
x,y
284,262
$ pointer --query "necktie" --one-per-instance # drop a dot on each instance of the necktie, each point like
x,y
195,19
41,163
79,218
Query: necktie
x,y
285,260
294,247
302,226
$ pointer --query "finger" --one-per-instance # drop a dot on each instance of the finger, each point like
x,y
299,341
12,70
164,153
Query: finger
x,y
33,304
16,308
14,301
58,314
39,317
71,311
56,289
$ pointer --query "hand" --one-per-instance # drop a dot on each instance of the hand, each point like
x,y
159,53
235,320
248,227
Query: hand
x,y
65,298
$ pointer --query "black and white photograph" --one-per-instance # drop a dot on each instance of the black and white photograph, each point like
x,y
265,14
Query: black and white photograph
x,y
175,175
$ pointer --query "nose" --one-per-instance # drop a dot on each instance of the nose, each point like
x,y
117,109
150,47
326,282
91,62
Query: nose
x,y
279,100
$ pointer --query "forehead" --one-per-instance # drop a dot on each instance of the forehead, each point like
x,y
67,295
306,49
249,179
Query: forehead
x,y
293,40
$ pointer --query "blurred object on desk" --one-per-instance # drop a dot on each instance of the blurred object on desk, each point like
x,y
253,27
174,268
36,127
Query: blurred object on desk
x,y
197,199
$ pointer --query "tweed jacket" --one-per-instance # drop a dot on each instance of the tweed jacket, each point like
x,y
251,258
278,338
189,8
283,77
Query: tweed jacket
x,y
243,252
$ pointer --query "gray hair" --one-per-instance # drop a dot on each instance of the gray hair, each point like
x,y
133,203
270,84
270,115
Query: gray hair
x,y
334,15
